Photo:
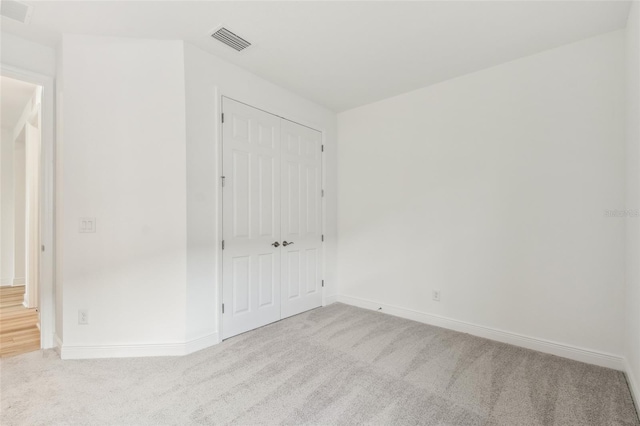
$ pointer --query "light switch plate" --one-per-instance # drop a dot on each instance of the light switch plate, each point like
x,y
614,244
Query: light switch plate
x,y
87,224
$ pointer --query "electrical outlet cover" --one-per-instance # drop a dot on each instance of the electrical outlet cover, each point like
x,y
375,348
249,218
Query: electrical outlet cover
x,y
83,317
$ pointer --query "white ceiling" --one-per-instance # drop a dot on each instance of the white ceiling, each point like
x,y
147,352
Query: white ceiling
x,y
14,95
342,54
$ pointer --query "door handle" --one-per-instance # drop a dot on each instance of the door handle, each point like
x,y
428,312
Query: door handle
x,y
284,243
276,244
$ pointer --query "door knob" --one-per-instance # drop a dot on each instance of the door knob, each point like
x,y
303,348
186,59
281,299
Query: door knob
x,y
284,243
276,244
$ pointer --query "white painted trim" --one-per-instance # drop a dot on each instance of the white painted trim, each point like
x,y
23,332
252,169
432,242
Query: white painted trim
x,y
19,281
218,184
141,350
201,343
328,300
634,386
559,349
121,351
6,282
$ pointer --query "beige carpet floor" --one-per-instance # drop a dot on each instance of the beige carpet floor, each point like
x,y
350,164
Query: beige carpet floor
x,y
332,365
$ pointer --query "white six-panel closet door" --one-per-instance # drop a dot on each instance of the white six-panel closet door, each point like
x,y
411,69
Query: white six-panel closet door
x,y
271,218
251,218
301,230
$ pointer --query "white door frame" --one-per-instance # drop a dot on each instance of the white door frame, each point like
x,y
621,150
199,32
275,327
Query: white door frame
x,y
219,94
32,203
47,232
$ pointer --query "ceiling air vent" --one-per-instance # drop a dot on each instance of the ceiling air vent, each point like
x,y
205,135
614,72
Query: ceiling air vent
x,y
16,10
230,39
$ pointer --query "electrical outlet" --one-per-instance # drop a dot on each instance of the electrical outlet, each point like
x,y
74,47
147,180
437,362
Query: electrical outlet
x,y
87,225
436,295
83,317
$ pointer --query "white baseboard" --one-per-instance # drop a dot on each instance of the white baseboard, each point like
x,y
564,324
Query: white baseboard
x,y
330,299
6,282
142,350
563,350
19,281
634,385
200,343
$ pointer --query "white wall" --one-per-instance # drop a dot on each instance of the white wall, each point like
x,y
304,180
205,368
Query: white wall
x,y
19,210
123,162
492,189
138,122
208,77
12,200
6,207
18,52
632,298
59,206
19,205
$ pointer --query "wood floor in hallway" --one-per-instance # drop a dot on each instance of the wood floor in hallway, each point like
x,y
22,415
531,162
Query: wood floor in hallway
x,y
19,331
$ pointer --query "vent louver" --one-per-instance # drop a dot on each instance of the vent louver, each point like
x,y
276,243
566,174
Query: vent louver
x,y
230,39
16,10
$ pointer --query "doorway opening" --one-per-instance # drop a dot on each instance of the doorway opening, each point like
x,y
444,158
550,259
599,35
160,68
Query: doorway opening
x,y
20,215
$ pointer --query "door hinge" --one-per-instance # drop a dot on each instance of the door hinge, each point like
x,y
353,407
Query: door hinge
x,y
223,308
222,178
322,148
322,237
322,192
223,117
222,244
322,283
43,247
